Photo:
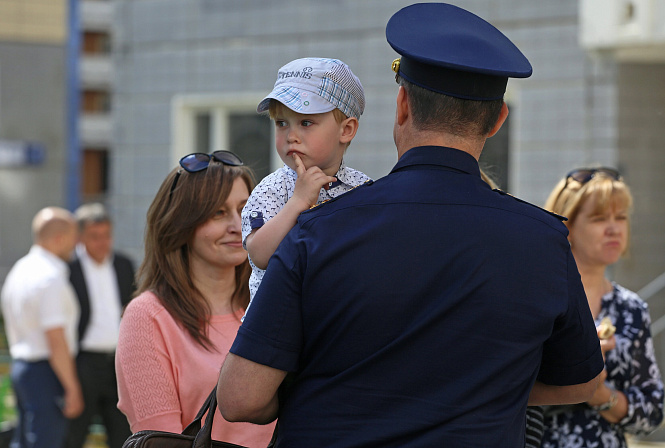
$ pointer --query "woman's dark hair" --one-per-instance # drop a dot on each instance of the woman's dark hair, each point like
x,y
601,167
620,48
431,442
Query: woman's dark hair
x,y
172,219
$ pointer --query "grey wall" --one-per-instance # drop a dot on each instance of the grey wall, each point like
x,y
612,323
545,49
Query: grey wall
x,y
641,120
32,108
577,109
565,115
225,47
169,47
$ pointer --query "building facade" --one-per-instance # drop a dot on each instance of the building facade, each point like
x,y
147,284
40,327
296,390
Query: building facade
x,y
186,76
56,78
190,73
33,118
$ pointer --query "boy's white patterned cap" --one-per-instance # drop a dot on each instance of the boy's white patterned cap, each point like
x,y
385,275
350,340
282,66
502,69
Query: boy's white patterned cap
x,y
315,86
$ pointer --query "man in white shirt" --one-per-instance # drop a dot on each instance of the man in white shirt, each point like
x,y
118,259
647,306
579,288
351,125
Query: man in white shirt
x,y
40,312
104,284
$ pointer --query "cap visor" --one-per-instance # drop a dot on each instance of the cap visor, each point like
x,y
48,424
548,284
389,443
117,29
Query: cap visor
x,y
298,100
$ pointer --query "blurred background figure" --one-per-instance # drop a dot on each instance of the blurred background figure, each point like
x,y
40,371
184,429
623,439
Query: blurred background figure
x,y
104,284
40,313
597,203
194,288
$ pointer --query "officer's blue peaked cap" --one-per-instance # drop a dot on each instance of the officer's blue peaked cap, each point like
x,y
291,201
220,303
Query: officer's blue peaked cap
x,y
452,51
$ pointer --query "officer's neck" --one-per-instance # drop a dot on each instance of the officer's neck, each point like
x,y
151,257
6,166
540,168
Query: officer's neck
x,y
473,146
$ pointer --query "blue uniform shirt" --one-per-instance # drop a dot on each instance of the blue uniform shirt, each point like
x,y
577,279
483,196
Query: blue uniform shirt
x,y
272,193
418,311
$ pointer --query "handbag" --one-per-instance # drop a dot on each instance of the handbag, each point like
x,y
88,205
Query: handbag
x,y
194,436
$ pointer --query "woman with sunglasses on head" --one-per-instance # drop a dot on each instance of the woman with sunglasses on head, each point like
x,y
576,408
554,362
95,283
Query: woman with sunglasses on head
x,y
597,204
193,290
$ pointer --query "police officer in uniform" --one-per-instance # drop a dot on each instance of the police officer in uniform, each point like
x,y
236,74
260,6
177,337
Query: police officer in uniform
x,y
424,309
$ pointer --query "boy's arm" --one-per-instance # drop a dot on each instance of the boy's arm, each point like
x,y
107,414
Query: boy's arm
x,y
263,242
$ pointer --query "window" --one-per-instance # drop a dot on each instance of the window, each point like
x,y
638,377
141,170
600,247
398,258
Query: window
x,y
207,123
203,132
250,136
96,42
94,173
95,101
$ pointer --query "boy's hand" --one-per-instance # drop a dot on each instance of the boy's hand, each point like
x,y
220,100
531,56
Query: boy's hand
x,y
309,183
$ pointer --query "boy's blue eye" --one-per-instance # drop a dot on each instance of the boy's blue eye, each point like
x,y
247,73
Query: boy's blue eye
x,y
307,123
280,123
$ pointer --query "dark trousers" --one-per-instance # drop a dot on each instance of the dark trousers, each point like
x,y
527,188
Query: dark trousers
x,y
96,373
39,402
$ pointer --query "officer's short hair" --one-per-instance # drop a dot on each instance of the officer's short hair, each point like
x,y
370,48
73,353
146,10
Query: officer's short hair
x,y
434,111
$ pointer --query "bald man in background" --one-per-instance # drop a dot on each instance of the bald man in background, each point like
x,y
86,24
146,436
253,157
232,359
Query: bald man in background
x,y
41,314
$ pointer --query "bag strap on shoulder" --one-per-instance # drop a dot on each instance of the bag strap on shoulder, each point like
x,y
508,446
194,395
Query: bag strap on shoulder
x,y
195,426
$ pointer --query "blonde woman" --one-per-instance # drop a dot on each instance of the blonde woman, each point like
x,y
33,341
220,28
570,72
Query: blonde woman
x,y
597,203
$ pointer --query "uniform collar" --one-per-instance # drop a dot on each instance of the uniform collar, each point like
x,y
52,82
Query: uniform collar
x,y
441,156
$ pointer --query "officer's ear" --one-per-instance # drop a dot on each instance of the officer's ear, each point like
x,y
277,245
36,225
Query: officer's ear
x,y
402,106
499,122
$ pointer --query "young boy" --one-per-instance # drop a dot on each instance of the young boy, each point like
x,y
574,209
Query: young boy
x,y
316,104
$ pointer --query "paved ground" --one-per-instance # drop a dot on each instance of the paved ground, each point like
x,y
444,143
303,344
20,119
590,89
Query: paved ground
x,y
655,440
641,444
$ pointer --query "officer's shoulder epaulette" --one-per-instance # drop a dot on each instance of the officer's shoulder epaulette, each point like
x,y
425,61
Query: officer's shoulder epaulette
x,y
559,217
367,182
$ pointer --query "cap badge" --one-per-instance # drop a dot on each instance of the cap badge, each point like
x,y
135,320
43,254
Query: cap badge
x,y
395,65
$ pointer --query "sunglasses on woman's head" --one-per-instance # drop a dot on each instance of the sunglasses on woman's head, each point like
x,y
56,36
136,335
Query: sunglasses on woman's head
x,y
199,161
584,175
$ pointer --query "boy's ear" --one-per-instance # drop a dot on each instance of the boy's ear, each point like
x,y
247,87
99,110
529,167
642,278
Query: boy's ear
x,y
348,127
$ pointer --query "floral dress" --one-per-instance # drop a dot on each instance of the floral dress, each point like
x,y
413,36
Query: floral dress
x,y
631,369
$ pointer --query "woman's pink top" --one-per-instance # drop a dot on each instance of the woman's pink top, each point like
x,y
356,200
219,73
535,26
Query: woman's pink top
x,y
164,376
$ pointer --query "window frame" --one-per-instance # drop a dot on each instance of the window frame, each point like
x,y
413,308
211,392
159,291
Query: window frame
x,y
185,107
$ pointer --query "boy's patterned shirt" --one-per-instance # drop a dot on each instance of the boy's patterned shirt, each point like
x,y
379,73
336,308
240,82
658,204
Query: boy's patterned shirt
x,y
270,196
